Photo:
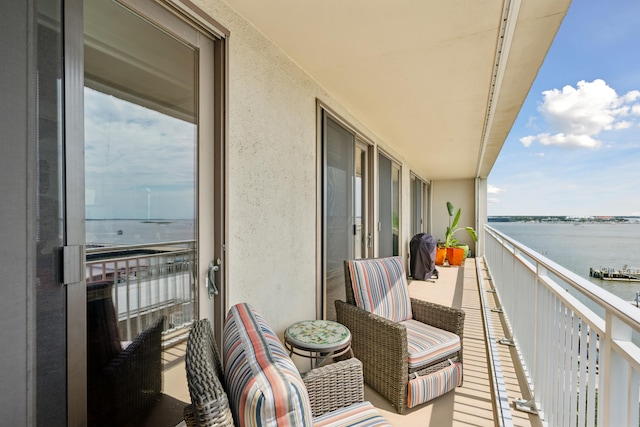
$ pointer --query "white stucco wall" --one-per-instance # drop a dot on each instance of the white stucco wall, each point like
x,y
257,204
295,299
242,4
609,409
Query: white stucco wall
x,y
461,193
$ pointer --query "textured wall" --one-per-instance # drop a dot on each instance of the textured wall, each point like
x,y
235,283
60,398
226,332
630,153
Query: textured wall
x,y
460,192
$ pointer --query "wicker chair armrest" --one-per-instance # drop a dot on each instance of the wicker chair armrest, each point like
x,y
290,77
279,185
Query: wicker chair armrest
x,y
335,386
189,416
443,317
132,381
144,348
381,345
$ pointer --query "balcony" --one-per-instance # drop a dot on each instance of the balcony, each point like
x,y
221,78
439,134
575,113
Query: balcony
x,y
472,404
475,403
536,336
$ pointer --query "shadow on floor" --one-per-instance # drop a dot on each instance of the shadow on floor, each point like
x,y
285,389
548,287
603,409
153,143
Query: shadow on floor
x,y
167,412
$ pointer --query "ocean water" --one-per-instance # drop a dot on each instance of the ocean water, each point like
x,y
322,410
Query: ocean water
x,y
581,247
575,247
138,231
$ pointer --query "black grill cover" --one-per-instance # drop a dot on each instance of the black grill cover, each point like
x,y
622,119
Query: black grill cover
x,y
423,256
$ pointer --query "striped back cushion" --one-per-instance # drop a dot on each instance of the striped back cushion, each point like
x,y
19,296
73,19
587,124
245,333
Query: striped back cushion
x,y
380,287
264,386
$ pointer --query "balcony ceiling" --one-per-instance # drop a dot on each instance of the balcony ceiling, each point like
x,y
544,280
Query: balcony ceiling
x,y
420,73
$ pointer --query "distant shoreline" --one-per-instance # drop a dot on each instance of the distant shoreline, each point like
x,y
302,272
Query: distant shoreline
x,y
567,219
154,220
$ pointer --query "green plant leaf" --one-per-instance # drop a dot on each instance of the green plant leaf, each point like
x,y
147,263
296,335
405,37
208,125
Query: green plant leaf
x,y
450,208
472,233
456,219
449,238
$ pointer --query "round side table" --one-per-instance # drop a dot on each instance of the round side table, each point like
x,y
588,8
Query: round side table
x,y
317,340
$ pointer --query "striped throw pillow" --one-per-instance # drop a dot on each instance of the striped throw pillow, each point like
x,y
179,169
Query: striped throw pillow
x,y
264,386
380,287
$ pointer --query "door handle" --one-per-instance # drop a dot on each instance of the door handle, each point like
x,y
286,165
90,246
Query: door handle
x,y
211,280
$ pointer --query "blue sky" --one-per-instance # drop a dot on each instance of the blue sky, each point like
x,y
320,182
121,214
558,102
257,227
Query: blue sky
x,y
575,146
121,137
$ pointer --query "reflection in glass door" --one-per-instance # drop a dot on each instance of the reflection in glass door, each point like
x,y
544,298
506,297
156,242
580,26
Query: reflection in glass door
x,y
142,100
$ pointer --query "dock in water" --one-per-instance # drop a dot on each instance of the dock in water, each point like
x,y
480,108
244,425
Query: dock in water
x,y
625,274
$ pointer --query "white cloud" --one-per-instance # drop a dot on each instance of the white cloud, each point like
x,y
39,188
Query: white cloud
x,y
492,189
634,95
531,123
577,116
527,140
622,125
137,160
493,200
571,140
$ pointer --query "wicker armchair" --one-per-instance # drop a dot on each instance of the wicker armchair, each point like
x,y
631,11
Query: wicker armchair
x,y
123,384
334,386
384,349
330,387
209,404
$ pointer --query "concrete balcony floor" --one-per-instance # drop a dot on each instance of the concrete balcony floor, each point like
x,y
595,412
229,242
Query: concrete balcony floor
x,y
472,404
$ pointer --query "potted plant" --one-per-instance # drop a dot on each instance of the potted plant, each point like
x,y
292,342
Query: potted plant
x,y
441,253
455,253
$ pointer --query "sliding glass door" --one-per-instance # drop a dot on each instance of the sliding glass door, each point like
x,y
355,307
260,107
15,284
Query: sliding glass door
x,y
388,207
418,205
346,232
150,168
51,234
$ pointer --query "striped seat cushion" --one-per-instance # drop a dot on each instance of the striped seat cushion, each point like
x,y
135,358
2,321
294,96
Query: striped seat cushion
x,y
361,414
422,389
264,386
380,287
426,344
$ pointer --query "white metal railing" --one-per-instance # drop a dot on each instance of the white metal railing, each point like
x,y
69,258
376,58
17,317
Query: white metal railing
x,y
148,280
574,339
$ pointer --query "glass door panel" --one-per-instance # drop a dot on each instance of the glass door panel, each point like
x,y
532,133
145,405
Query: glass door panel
x,y
142,136
50,295
417,205
362,235
389,207
395,208
346,212
338,209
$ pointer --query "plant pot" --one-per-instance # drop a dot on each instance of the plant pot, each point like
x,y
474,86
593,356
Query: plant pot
x,y
455,256
466,250
440,255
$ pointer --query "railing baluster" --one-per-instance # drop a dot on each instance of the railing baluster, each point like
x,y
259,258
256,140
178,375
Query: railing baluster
x,y
583,369
149,280
583,345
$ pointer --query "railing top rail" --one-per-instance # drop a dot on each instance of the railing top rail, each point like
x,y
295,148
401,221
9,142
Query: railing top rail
x,y
602,297
107,249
